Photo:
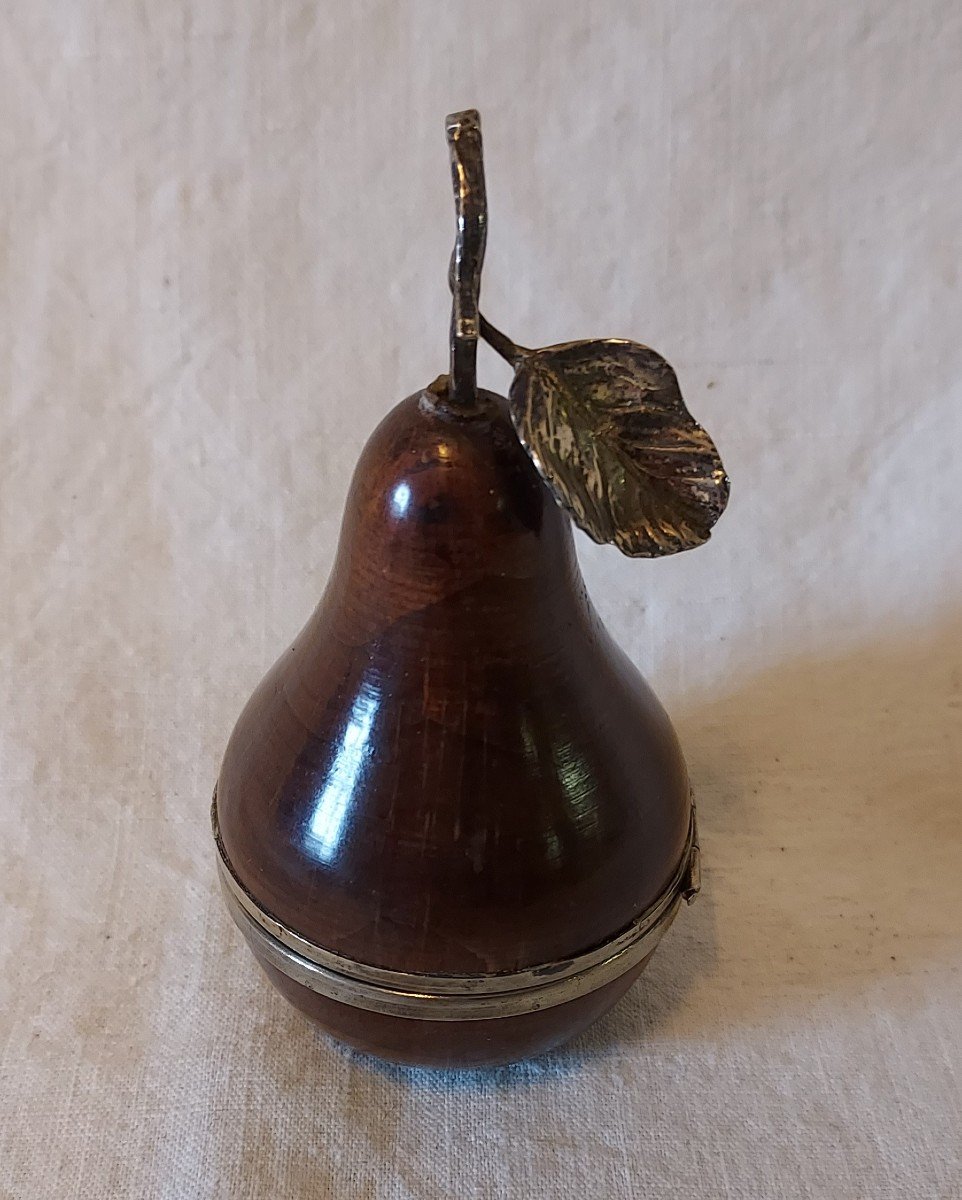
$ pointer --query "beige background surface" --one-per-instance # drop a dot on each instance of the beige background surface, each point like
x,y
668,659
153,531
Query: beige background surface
x,y
224,239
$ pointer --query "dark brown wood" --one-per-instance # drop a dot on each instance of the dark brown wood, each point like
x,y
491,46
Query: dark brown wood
x,y
453,769
454,1043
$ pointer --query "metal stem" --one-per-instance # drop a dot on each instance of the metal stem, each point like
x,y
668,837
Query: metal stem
x,y
467,175
510,351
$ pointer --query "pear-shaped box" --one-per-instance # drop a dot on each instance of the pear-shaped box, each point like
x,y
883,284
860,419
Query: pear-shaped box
x,y
453,821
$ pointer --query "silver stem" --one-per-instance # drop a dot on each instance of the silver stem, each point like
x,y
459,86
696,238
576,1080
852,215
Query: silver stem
x,y
467,175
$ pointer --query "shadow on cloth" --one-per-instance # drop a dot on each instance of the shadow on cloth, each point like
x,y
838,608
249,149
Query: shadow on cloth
x,y
830,821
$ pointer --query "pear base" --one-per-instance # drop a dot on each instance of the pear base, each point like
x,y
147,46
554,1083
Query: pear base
x,y
453,1044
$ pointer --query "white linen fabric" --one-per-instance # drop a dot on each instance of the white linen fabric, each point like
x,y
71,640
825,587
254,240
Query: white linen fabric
x,y
223,252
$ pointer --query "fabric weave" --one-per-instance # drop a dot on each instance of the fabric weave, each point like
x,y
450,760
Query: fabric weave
x,y
224,235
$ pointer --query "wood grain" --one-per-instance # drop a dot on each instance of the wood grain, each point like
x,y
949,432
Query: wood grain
x,y
453,769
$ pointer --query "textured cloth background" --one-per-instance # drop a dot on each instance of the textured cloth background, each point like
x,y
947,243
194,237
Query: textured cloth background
x,y
225,234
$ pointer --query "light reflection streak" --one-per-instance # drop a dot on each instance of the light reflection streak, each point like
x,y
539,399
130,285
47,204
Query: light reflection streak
x,y
327,824
400,499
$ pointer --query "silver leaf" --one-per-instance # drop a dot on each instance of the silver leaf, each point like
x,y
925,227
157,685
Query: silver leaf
x,y
606,426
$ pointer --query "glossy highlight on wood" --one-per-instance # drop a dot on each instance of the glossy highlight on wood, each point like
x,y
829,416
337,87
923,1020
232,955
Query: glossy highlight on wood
x,y
453,770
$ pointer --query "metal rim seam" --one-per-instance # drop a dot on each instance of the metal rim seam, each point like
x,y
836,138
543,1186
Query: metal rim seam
x,y
453,997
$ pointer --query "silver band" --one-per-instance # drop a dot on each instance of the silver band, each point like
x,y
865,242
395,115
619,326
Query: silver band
x,y
454,997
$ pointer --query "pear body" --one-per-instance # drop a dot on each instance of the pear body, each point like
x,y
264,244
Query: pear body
x,y
453,771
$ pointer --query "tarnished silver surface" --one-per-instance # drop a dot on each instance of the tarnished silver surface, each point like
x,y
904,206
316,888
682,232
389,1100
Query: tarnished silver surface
x,y
606,426
691,884
451,997
467,174
603,421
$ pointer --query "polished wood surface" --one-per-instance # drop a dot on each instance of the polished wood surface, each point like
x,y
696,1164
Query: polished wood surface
x,y
453,769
